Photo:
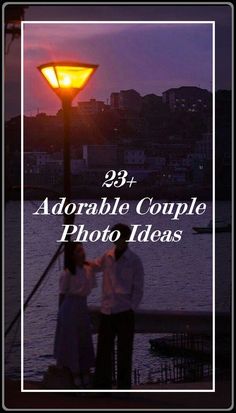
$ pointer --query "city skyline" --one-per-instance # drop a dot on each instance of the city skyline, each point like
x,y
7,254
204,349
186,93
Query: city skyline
x,y
166,55
106,101
220,14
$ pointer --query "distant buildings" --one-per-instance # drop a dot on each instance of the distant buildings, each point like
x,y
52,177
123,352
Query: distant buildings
x,y
92,107
203,147
96,156
153,137
152,101
77,165
155,162
130,100
169,150
165,145
114,156
187,99
161,164
43,162
126,100
134,157
35,161
115,100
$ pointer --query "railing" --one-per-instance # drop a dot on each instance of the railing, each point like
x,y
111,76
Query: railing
x,y
183,323
155,321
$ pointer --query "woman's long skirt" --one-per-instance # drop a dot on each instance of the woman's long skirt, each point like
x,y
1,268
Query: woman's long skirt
x,y
73,346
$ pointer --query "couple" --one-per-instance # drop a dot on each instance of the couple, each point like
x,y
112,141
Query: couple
x,y
122,290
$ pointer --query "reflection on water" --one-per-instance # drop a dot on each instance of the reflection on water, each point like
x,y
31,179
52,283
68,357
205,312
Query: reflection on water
x,y
178,276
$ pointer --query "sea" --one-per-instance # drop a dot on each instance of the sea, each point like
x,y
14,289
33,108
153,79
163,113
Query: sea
x,y
178,277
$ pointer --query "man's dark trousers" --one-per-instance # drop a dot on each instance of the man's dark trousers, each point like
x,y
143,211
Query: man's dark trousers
x,y
120,325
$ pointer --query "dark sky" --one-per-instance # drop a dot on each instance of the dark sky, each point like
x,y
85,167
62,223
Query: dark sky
x,y
149,58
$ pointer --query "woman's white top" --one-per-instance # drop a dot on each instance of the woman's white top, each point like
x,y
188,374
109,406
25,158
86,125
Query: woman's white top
x,y
80,283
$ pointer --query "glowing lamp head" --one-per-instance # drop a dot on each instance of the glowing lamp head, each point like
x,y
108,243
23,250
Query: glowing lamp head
x,y
67,78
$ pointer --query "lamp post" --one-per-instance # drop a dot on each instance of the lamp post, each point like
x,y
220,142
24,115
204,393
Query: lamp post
x,y
67,79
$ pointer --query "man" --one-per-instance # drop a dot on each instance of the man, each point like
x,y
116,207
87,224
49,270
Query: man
x,y
122,291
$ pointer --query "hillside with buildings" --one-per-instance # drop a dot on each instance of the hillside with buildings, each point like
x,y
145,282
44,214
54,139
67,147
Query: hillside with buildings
x,y
164,141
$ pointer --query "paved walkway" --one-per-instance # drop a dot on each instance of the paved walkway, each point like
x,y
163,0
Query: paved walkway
x,y
14,399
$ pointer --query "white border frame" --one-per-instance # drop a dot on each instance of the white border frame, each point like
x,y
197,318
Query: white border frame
x,y
212,22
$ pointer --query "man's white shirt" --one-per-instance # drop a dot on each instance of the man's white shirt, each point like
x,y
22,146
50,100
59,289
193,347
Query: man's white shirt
x,y
123,280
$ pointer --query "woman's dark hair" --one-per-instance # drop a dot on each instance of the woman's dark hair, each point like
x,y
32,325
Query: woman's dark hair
x,y
70,264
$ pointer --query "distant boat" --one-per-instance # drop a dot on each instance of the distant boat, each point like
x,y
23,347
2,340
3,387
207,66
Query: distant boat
x,y
220,226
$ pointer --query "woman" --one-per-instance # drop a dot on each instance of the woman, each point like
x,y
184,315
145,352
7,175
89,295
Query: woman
x,y
73,347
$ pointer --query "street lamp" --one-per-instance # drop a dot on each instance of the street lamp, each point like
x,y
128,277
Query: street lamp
x,y
67,79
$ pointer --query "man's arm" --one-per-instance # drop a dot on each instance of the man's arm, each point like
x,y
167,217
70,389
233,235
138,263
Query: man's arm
x,y
138,283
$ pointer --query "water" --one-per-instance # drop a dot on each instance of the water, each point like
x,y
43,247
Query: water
x,y
178,276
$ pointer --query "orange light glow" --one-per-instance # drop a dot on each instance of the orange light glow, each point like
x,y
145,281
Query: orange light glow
x,y
67,75
73,76
50,75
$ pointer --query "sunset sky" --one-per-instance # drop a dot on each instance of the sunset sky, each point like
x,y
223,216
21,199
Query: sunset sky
x,y
149,58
